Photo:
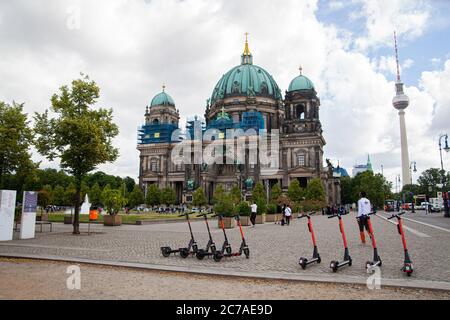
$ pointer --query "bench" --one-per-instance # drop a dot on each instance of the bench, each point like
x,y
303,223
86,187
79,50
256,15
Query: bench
x,y
41,223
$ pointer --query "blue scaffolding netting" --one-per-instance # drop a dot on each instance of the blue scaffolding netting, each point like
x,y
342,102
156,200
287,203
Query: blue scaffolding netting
x,y
157,133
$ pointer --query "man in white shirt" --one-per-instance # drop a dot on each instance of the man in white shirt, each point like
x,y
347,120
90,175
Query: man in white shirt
x,y
288,214
364,208
254,207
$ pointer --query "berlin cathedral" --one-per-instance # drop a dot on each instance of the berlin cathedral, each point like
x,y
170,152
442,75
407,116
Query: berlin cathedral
x,y
247,98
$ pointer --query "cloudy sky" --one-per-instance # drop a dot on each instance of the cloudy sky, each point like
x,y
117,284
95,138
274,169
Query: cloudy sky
x,y
131,47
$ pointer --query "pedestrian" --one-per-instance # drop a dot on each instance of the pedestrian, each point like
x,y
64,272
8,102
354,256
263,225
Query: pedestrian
x,y
288,214
364,208
254,207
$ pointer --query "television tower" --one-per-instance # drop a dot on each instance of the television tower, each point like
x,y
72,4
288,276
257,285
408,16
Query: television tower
x,y
401,102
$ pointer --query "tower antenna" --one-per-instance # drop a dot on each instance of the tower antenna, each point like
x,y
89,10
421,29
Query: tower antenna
x,y
396,57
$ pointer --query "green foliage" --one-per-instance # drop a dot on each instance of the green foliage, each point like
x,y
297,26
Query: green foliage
x,y
236,195
295,192
95,195
347,192
80,136
428,181
198,198
271,208
153,195
15,140
243,209
69,194
313,205
259,193
59,196
136,197
373,184
112,200
44,198
315,190
276,192
168,196
223,202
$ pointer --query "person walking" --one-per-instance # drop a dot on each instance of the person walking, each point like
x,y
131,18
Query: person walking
x,y
288,214
254,207
364,208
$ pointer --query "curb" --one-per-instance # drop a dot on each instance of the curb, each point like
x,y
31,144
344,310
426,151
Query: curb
x,y
395,283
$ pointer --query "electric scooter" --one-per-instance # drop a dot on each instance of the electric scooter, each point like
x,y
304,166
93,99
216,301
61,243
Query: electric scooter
x,y
316,256
376,258
407,265
335,265
211,246
242,250
226,247
192,247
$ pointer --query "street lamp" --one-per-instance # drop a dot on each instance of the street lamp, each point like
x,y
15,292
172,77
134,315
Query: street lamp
x,y
444,185
412,168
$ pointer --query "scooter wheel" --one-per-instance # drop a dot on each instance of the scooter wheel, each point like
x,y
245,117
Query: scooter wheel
x,y
184,253
379,259
200,254
247,253
165,251
334,266
217,257
302,262
350,261
369,264
228,250
319,259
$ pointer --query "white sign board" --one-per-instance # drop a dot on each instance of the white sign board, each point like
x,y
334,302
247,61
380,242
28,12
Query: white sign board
x,y
7,207
28,222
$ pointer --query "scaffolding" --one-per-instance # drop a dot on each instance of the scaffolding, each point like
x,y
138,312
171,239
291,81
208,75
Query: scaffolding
x,y
157,133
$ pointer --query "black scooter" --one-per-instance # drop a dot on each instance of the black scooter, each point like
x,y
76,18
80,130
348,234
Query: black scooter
x,y
192,247
335,265
304,262
407,265
242,250
211,246
376,258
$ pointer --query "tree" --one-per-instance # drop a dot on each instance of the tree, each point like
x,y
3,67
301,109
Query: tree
x,y
153,195
347,195
275,193
223,202
198,198
79,136
112,200
373,185
59,196
295,192
70,194
168,196
315,191
218,194
44,198
260,199
95,194
136,197
15,140
428,181
236,195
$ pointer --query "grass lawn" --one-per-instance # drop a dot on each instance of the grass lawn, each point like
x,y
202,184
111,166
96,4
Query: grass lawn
x,y
126,218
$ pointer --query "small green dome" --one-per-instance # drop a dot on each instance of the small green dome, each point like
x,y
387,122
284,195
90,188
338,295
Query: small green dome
x,y
301,83
246,80
162,99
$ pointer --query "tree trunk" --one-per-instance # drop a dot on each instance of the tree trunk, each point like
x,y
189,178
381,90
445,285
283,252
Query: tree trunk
x,y
76,219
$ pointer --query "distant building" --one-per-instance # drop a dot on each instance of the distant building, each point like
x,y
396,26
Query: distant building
x,y
362,167
340,172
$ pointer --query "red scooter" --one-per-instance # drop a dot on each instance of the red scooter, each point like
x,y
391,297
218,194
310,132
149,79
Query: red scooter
x,y
242,250
407,265
335,265
376,258
304,262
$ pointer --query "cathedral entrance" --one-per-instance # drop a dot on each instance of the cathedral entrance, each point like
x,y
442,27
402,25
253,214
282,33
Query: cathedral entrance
x,y
179,191
303,182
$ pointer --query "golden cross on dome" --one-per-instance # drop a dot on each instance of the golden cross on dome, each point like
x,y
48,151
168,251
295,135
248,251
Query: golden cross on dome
x,y
246,50
301,70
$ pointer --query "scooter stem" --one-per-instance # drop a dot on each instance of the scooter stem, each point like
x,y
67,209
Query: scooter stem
x,y
341,227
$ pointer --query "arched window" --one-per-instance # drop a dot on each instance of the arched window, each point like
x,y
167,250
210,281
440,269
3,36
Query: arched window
x,y
300,111
155,121
301,159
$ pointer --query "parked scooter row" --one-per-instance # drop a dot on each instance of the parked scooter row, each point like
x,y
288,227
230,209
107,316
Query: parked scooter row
x,y
335,265
211,249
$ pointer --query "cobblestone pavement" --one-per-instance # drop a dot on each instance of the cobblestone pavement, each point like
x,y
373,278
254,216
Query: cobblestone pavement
x,y
29,279
273,248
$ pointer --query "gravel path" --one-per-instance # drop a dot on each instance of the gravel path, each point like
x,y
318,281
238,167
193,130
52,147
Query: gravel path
x,y
31,279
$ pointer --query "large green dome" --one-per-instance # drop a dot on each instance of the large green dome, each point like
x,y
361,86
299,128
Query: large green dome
x,y
162,99
301,83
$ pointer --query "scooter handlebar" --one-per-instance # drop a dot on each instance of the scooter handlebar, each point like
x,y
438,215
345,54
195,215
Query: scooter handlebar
x,y
304,215
202,215
338,215
396,215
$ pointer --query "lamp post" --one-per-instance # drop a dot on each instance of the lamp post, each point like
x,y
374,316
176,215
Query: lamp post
x,y
444,178
412,168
